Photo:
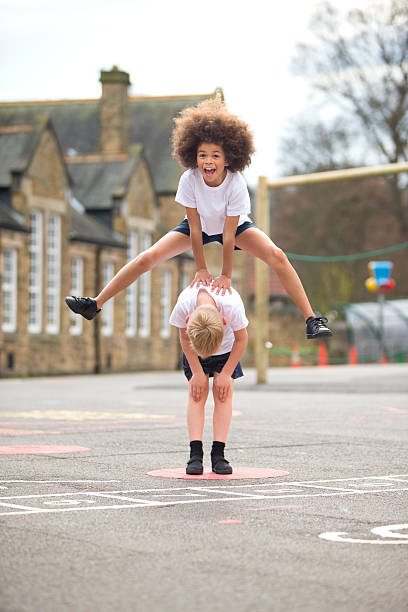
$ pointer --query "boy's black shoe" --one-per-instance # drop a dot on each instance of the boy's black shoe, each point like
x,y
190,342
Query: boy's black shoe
x,y
194,466
220,465
84,306
316,328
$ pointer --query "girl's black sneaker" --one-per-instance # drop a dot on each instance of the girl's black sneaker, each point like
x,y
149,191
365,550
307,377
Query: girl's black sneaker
x,y
84,306
316,328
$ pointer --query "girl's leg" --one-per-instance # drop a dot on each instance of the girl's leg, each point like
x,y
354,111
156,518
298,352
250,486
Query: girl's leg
x,y
222,415
172,244
257,243
196,414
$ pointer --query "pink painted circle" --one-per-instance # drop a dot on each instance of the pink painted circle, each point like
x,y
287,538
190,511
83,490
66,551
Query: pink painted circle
x,y
239,473
40,450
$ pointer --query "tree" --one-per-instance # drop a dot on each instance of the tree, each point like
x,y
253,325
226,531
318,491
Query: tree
x,y
358,66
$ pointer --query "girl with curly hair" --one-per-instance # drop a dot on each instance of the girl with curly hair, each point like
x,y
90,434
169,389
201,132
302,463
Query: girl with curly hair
x,y
215,146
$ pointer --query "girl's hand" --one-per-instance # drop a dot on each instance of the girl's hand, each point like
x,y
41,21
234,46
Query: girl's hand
x,y
198,385
223,385
202,276
221,283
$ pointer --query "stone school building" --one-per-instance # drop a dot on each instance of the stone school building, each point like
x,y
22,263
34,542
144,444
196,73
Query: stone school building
x,y
85,185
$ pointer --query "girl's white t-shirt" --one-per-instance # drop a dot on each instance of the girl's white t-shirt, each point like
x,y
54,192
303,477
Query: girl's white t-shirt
x,y
214,204
229,305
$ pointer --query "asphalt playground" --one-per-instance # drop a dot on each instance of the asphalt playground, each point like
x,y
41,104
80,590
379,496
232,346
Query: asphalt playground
x,y
318,521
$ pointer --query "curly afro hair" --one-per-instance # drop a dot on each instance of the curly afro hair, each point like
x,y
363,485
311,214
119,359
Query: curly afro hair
x,y
210,121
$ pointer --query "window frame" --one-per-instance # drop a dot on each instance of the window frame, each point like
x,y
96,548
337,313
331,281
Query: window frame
x,y
9,288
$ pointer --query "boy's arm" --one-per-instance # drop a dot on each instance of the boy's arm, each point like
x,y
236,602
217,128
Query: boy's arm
x,y
198,382
223,282
202,274
223,381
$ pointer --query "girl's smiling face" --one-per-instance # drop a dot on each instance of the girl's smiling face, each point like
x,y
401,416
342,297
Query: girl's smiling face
x,y
211,163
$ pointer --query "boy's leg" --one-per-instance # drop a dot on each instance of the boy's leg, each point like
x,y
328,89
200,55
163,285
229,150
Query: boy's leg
x,y
195,425
221,424
196,414
257,243
222,413
170,245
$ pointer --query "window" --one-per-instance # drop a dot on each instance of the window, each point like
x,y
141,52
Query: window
x,y
77,288
184,279
9,317
131,291
165,303
107,310
35,274
53,273
144,295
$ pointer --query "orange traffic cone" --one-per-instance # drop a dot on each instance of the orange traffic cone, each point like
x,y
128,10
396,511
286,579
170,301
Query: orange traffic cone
x,y
295,356
384,359
323,358
353,355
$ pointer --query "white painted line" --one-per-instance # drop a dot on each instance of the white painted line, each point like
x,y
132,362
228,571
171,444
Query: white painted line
x,y
388,531
315,486
122,498
51,510
17,506
338,536
69,502
347,479
178,495
210,489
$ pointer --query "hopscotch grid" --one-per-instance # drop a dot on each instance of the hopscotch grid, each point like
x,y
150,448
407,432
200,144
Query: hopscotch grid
x,y
147,503
199,491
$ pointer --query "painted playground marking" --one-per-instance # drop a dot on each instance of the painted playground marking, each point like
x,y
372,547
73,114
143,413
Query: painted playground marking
x,y
40,450
238,474
387,531
117,499
85,415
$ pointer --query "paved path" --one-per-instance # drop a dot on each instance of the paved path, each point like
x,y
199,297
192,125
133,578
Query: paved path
x,y
84,527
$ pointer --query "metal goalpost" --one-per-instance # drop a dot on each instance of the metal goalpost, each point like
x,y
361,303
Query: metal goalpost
x,y
262,221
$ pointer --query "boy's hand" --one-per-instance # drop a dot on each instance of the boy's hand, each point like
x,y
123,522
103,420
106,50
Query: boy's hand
x,y
198,385
221,283
223,385
202,276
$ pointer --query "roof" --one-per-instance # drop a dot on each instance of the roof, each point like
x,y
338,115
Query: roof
x,y
18,143
152,123
76,124
11,220
16,147
97,178
85,228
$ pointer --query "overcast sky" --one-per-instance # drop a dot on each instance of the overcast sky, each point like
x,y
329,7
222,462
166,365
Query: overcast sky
x,y
51,49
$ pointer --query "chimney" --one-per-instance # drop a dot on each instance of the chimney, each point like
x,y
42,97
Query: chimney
x,y
114,111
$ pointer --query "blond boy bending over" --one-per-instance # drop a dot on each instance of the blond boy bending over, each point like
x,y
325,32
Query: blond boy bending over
x,y
213,337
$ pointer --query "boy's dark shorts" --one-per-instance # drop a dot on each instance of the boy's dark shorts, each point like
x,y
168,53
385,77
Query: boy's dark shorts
x,y
184,228
212,364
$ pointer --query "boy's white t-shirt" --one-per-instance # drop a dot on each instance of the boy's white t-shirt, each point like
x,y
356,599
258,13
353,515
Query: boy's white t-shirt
x,y
214,204
229,305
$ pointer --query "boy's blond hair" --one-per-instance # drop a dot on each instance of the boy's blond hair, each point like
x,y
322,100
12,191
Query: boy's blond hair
x,y
205,329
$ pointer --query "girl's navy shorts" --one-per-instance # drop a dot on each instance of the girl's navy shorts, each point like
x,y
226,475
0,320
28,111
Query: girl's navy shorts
x,y
184,228
212,364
